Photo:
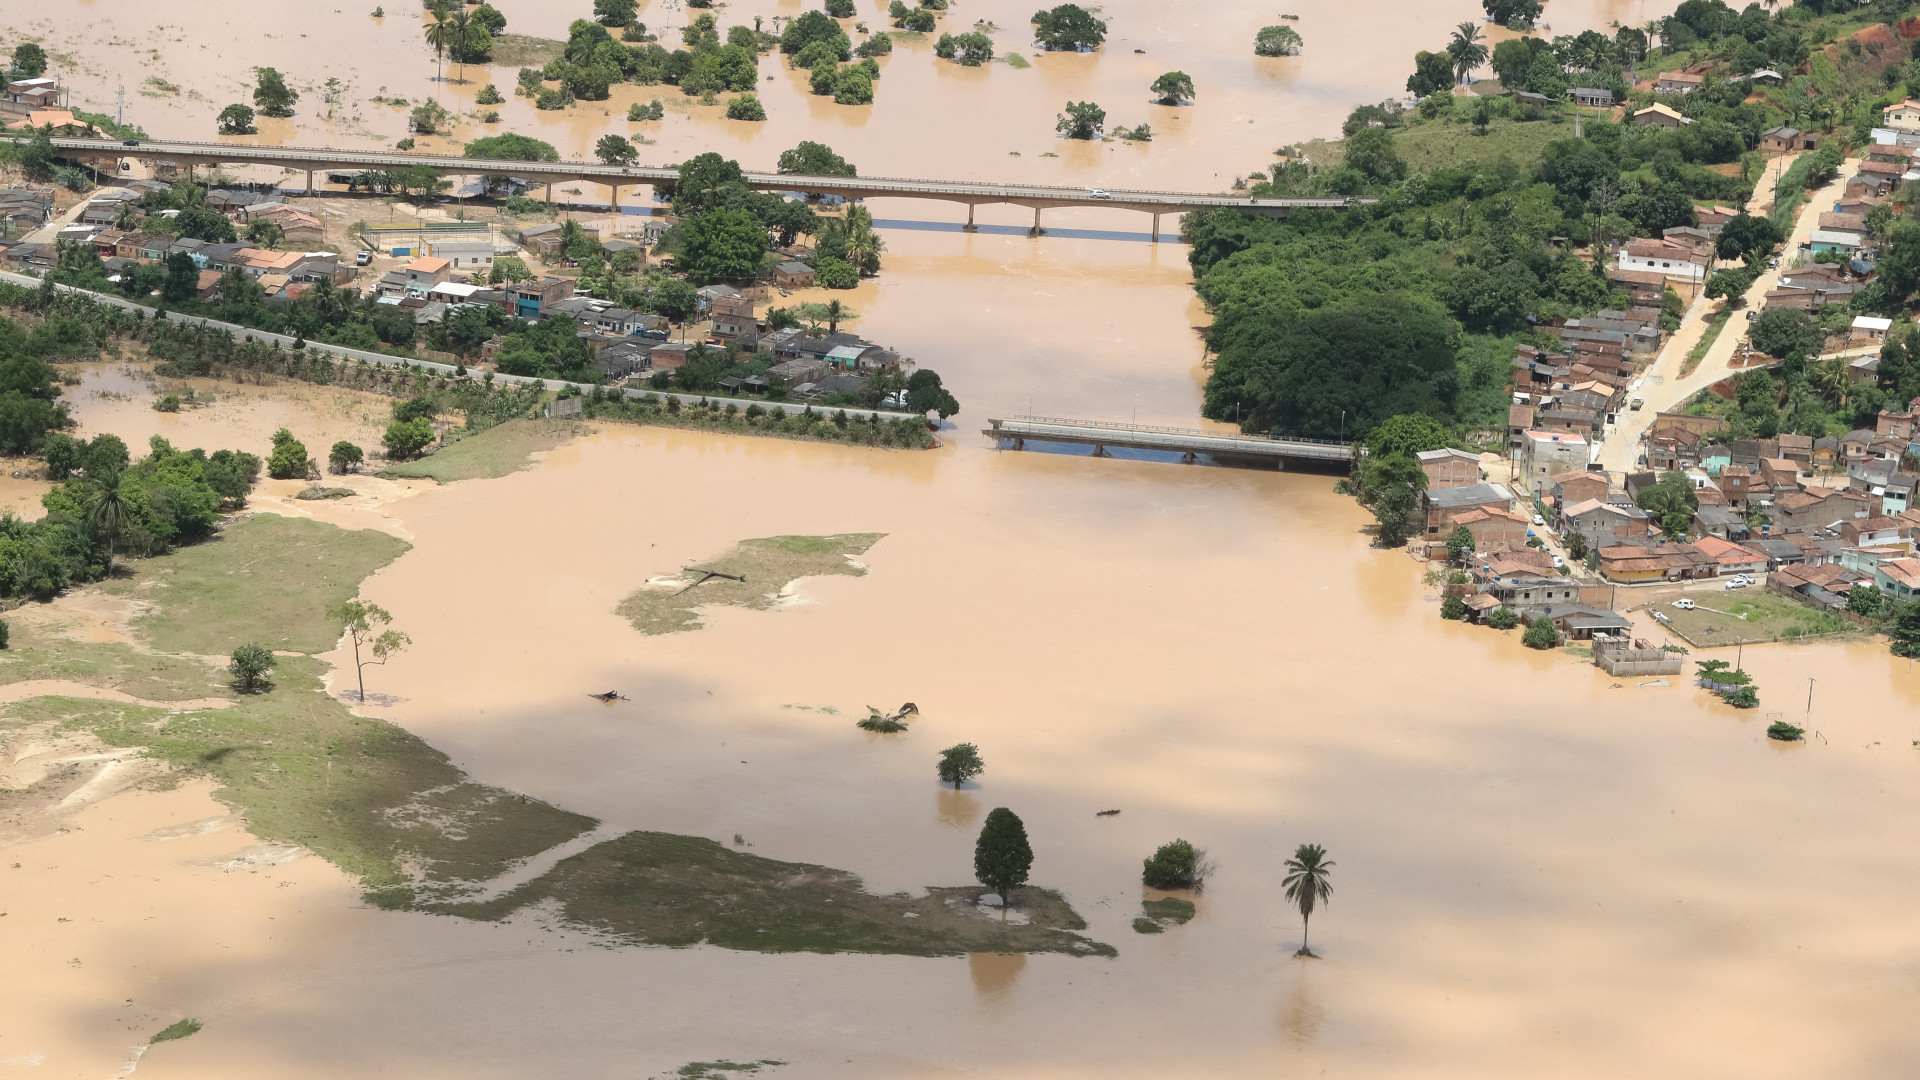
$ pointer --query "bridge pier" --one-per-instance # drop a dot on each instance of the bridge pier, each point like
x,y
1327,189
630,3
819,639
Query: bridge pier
x,y
970,227
310,191
614,190
549,194
1186,458
1019,444
1156,228
1037,230
1099,450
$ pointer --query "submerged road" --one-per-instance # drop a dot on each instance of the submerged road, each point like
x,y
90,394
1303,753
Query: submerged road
x,y
312,159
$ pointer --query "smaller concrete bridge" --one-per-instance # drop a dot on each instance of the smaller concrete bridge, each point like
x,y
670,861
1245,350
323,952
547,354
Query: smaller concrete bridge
x,y
1187,442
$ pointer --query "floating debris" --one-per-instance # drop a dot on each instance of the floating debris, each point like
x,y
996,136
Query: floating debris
x,y
610,697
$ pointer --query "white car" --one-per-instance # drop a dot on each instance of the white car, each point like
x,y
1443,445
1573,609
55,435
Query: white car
x,y
1100,194
1736,583
1683,604
1538,520
1559,563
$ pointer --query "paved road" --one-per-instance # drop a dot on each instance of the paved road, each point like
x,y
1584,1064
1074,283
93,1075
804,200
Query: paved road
x,y
1662,387
319,159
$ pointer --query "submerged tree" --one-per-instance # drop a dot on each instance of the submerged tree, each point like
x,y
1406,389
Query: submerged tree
x,y
1307,886
363,622
1082,120
1172,88
960,763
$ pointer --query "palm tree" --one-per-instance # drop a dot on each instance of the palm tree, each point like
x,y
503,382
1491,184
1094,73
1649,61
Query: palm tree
x,y
107,508
461,39
440,34
126,217
1467,51
834,309
1307,885
1834,378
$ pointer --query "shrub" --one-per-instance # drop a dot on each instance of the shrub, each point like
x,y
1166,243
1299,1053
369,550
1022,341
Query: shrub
x,y
877,45
3,633
1782,731
345,457
1502,619
1453,608
1178,865
249,665
832,273
289,459
406,438
746,107
1542,634
488,95
170,403
1745,697
840,9
1144,925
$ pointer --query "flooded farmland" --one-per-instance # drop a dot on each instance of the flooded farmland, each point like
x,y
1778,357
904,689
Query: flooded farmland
x,y
1540,872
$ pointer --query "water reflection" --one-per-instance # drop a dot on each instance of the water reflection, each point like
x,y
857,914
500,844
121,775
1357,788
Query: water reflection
x,y
1301,1012
956,809
995,973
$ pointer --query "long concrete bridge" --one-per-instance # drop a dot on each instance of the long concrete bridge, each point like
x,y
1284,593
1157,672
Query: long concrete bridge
x,y
312,159
1187,442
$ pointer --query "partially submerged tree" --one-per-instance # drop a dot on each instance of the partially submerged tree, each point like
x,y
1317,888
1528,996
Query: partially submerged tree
x,y
1176,865
1082,120
1172,88
345,457
1277,41
271,94
236,119
363,622
960,763
1307,886
1002,856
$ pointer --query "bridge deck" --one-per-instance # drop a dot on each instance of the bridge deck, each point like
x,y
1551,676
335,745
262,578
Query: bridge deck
x,y
1100,433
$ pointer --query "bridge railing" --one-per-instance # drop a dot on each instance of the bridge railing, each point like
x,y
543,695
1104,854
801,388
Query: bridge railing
x,y
1111,425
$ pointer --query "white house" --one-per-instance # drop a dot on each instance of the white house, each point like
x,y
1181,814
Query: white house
x,y
1664,257
1904,115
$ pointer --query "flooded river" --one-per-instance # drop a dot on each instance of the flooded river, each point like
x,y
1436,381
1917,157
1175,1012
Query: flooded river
x,y
1539,873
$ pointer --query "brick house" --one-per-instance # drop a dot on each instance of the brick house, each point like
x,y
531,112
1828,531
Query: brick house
x,y
1449,468
1444,504
1578,486
1603,523
733,320
793,275
1492,526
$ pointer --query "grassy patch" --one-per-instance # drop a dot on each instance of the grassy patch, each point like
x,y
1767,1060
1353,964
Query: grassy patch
x,y
1016,61
497,451
522,50
38,654
365,795
769,564
1172,909
179,1029
661,889
267,579
1754,615
1447,146
1707,338
1144,925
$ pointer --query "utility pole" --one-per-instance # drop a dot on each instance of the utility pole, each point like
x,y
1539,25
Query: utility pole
x,y
120,107
1809,697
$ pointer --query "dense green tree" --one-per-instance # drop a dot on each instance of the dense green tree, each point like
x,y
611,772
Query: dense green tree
x,y
1308,886
615,150
345,457
1432,73
925,394
852,86
1671,501
29,60
967,50
249,665
814,159
289,460
1459,544
490,17
877,45
746,107
814,26
405,439
723,245
1068,28
271,94
183,279
1502,619
615,12
1510,12
1865,599
1175,865
1371,151
1002,856
1452,607
1277,41
1082,120
236,119
511,147
1409,434
205,223
1541,634
840,9
960,763
1172,88
1744,235
1905,632
1786,334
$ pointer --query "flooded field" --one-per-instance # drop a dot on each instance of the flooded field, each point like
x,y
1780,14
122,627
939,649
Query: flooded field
x,y
1539,872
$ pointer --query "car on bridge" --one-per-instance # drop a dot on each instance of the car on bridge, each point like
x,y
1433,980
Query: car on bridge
x,y
1100,193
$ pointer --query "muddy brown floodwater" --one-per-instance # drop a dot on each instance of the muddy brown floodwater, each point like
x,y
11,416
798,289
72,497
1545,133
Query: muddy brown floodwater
x,y
1540,873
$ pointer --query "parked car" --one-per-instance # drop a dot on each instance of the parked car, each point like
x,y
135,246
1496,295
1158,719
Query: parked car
x,y
363,257
1559,563
1736,583
1538,520
1683,604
